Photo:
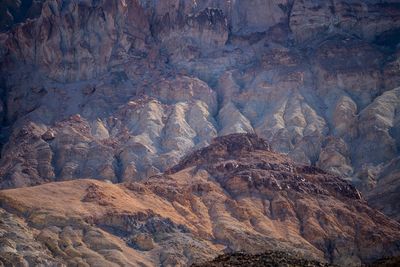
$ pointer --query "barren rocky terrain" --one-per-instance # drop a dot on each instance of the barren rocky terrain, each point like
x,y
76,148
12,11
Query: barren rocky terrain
x,y
234,195
122,92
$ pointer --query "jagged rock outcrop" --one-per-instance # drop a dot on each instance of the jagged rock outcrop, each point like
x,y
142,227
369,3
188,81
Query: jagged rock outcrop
x,y
236,194
74,40
121,91
365,19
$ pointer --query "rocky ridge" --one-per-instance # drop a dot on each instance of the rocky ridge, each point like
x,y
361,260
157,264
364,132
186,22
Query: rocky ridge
x,y
234,195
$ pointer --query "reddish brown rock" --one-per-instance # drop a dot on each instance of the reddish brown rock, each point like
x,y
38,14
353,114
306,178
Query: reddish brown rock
x,y
234,195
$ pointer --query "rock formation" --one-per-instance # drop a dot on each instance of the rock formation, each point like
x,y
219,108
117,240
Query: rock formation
x,y
234,195
118,82
120,91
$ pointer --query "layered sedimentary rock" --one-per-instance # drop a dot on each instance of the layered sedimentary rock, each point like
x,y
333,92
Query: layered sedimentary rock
x,y
121,91
236,194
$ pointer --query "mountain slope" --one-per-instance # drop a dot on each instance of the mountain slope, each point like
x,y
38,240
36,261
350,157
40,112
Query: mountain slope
x,y
235,194
120,91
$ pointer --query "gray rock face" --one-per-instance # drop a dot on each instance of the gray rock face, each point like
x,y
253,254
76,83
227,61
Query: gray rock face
x,y
385,195
121,90
76,40
243,16
366,19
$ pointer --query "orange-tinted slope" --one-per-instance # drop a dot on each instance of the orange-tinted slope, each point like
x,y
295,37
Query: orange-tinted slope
x,y
235,194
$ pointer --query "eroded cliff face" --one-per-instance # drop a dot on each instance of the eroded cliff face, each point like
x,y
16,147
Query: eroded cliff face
x,y
121,90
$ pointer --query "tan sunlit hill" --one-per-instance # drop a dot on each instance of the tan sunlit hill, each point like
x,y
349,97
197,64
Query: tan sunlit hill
x,y
236,194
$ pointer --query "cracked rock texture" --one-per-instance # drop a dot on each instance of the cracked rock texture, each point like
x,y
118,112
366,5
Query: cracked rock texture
x,y
122,90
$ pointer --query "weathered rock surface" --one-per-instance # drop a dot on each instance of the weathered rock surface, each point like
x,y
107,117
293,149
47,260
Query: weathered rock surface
x,y
234,195
75,40
121,90
15,233
366,19
385,195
